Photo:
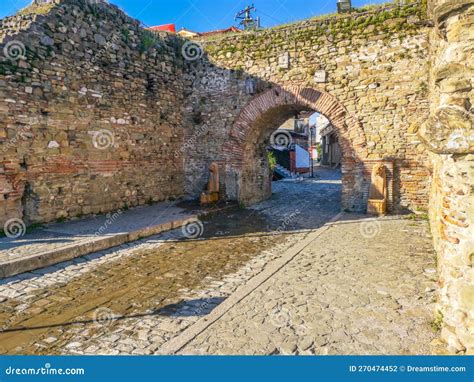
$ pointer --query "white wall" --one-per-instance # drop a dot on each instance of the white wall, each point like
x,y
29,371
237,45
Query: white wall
x,y
302,157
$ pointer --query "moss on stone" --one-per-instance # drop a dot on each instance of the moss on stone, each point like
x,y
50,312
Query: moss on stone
x,y
437,323
148,39
125,34
37,9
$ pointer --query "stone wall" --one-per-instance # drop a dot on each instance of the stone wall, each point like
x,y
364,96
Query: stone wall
x,y
94,115
90,112
372,65
450,137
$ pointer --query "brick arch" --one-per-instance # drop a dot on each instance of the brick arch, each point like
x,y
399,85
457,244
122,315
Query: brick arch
x,y
351,137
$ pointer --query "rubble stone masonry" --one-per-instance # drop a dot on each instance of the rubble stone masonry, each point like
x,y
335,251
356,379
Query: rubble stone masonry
x,y
450,137
97,115
90,112
367,72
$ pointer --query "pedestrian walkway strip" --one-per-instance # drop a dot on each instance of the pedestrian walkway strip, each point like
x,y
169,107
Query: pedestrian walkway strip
x,y
66,241
179,342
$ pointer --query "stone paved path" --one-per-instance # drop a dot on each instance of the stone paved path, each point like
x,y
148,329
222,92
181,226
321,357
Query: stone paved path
x,y
360,288
59,241
134,298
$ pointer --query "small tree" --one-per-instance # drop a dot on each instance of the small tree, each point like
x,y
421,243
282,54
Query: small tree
x,y
320,151
272,161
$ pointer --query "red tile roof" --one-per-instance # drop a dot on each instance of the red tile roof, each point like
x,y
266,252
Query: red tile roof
x,y
227,30
166,27
171,28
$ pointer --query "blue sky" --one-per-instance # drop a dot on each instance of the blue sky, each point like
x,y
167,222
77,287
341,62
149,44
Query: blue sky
x,y
205,15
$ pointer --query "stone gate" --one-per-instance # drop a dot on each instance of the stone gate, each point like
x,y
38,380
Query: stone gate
x,y
251,132
367,73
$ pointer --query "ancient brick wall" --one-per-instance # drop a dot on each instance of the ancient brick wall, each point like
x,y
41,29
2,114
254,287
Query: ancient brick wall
x,y
372,65
90,112
449,135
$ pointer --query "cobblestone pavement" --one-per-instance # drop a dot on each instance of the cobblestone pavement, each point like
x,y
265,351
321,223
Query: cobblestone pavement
x,y
360,288
134,298
345,294
53,243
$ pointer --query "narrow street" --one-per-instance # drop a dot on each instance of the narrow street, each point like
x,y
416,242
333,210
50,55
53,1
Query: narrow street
x,y
136,297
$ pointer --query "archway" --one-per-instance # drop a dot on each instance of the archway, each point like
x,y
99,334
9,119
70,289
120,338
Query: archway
x,y
247,176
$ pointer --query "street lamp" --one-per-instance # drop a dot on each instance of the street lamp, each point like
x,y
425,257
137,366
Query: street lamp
x,y
344,6
312,134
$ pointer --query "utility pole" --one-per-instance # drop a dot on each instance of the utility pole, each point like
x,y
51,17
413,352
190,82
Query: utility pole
x,y
248,22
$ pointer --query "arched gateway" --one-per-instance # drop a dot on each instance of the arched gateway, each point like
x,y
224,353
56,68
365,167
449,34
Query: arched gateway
x,y
247,174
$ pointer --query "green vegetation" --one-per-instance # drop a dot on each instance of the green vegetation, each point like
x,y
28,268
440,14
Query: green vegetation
x,y
125,34
36,9
272,161
372,7
419,216
11,67
148,39
387,18
319,150
437,323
